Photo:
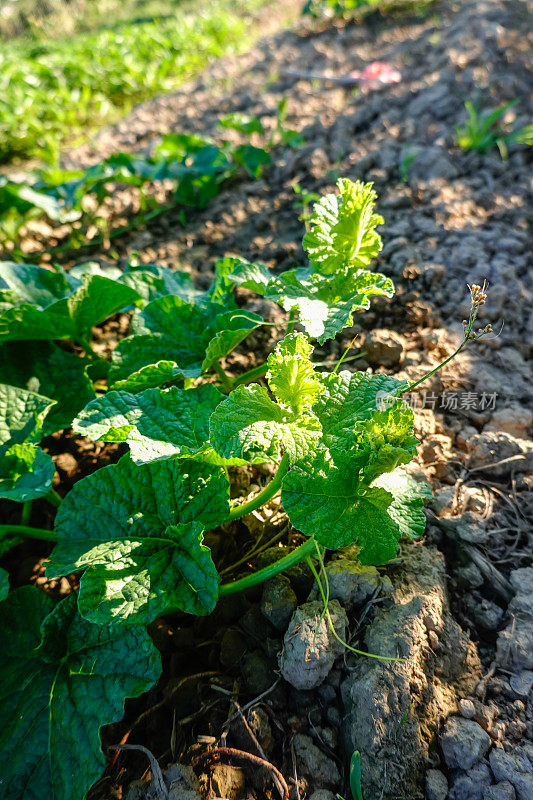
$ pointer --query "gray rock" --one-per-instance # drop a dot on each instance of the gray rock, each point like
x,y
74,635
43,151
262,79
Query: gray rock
x,y
467,708
489,448
278,601
522,682
383,348
180,780
463,743
436,785
314,764
309,647
515,419
377,695
501,791
470,574
506,766
470,785
522,580
514,648
486,613
349,582
523,784
431,162
322,794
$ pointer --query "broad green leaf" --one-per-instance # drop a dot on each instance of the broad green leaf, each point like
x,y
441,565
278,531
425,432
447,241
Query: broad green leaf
x,y
47,369
249,425
26,283
174,338
61,679
291,374
243,123
124,523
342,233
151,281
96,299
253,159
26,472
348,399
326,303
156,423
384,440
4,584
326,500
137,584
231,272
408,495
22,414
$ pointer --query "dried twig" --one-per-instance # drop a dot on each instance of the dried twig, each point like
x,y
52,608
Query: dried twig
x,y
219,752
158,781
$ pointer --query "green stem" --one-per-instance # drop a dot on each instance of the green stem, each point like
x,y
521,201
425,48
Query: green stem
x,y
302,552
54,498
264,495
413,385
225,380
26,512
251,375
292,321
28,532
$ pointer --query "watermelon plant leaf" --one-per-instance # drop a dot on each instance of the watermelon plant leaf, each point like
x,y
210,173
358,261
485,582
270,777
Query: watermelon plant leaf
x,y
45,368
408,496
117,520
26,283
156,423
26,472
231,272
326,303
175,338
249,425
291,375
348,399
22,415
326,499
61,679
342,233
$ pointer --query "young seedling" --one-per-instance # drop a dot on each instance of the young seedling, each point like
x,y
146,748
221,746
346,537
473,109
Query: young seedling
x,y
483,130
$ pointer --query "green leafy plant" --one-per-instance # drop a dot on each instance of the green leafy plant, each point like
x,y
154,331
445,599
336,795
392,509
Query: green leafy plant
x,y
483,130
196,168
55,92
135,529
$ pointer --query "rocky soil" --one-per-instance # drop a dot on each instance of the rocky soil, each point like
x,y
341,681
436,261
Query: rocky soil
x,y
450,716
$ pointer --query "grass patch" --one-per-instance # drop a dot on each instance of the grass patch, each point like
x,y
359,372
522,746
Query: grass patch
x,y
56,92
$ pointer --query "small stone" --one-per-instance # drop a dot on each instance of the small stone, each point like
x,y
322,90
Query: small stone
x,y
522,682
383,348
486,613
467,708
522,580
470,785
314,764
505,766
514,648
257,672
523,784
349,582
463,743
470,574
309,647
228,782
516,420
278,602
322,794
489,448
436,785
501,791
